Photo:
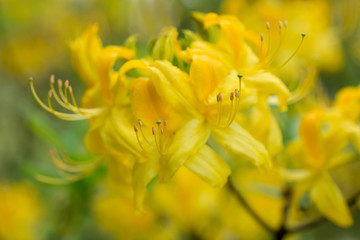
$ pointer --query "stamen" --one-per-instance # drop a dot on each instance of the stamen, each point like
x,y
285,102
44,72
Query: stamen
x,y
156,143
237,103
286,24
297,49
142,132
219,99
161,131
268,30
261,55
232,96
65,116
73,99
49,101
138,139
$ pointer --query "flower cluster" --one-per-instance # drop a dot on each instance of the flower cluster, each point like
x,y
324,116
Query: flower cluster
x,y
207,102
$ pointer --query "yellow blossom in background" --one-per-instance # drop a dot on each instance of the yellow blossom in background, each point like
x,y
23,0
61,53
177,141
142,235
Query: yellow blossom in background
x,y
322,46
324,136
20,211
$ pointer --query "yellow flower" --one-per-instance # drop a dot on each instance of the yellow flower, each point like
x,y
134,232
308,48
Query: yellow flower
x,y
312,17
157,141
94,65
19,211
324,134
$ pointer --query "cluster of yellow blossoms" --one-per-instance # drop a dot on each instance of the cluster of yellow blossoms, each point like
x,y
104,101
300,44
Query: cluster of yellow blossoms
x,y
205,102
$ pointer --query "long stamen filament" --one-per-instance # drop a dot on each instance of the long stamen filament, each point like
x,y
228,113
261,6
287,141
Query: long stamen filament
x,y
155,138
160,132
73,99
297,49
65,116
136,129
268,31
261,55
142,132
219,99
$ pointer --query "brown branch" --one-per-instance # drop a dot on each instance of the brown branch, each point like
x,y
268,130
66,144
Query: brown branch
x,y
245,204
316,222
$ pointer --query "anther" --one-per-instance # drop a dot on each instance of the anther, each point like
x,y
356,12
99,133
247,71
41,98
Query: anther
x,y
262,37
161,130
165,123
140,122
237,93
286,24
136,128
52,79
60,83
219,97
50,93
66,83
267,25
153,130
232,96
280,25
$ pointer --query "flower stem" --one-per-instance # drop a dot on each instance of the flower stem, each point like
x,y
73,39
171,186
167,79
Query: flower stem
x,y
245,204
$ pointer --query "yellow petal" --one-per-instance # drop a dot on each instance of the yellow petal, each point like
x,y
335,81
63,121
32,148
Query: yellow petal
x,y
174,87
85,51
330,201
118,133
239,142
143,173
209,166
106,74
269,84
206,74
310,134
186,142
355,137
146,103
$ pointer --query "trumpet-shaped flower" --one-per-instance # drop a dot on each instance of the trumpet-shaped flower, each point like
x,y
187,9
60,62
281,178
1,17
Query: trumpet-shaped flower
x,y
324,136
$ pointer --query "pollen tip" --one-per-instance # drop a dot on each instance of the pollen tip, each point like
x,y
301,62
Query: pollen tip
x,y
158,122
219,97
232,95
267,25
60,82
140,122
237,93
70,89
66,83
50,93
